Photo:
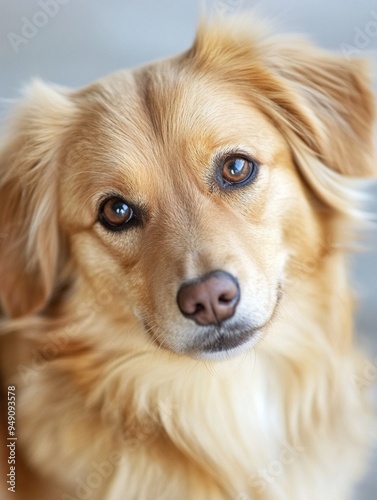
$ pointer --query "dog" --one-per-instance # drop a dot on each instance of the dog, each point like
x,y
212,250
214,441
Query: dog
x,y
177,318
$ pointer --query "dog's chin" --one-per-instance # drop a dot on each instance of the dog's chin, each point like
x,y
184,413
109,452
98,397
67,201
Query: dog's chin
x,y
216,343
225,347
219,343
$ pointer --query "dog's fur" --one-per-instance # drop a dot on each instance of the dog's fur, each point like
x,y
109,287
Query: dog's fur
x,y
112,397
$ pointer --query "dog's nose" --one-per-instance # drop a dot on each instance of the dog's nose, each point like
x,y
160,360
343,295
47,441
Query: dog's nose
x,y
211,299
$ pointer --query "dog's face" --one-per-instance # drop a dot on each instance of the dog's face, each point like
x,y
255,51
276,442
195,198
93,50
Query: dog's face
x,y
185,210
179,186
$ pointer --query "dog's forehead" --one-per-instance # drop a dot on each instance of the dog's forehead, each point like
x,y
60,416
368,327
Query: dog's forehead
x,y
160,116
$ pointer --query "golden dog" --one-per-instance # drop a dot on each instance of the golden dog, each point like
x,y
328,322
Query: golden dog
x,y
177,320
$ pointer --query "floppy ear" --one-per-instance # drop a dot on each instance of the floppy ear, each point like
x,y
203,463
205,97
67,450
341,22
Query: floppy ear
x,y
327,101
328,113
321,102
29,235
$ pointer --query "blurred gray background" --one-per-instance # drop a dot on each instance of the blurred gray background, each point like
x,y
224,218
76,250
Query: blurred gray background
x,y
72,42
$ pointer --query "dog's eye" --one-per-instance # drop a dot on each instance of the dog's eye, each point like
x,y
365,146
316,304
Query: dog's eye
x,y
238,170
115,214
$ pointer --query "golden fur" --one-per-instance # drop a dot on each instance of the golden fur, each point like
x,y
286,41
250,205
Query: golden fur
x,y
110,399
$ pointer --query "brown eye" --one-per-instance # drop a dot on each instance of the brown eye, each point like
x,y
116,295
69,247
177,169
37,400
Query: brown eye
x,y
237,170
115,213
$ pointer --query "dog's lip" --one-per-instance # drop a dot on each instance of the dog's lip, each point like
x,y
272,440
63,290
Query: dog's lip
x,y
227,343
224,338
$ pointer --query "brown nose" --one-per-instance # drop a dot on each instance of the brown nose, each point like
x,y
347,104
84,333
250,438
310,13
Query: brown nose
x,y
211,299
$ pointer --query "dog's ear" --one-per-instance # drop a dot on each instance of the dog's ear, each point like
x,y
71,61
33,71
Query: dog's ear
x,y
327,101
29,234
322,102
327,112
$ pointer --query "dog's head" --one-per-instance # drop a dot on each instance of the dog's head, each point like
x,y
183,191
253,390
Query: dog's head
x,y
191,188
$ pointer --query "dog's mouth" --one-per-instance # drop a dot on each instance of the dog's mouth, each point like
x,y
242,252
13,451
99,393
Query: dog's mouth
x,y
224,341
214,341
217,342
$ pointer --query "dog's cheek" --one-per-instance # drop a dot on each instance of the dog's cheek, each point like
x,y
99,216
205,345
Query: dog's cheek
x,y
106,277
